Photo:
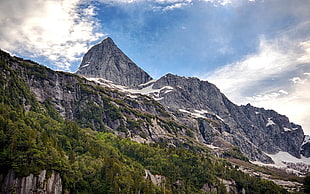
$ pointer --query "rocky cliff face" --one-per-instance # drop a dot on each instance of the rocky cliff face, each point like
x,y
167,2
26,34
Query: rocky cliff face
x,y
106,60
31,184
305,147
140,117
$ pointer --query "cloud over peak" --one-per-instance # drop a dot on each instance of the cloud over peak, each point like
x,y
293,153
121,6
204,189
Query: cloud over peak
x,y
59,31
276,77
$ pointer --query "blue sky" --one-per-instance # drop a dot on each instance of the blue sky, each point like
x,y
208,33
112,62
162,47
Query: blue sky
x,y
255,51
197,37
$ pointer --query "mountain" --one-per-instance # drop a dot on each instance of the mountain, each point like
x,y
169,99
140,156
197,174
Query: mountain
x,y
260,134
106,60
56,136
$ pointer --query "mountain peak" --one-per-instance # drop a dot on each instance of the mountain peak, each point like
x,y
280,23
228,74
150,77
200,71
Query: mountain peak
x,y
105,60
107,40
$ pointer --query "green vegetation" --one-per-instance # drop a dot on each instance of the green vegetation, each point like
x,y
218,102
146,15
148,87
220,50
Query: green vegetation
x,y
31,142
235,153
96,162
51,110
13,90
307,184
90,115
36,70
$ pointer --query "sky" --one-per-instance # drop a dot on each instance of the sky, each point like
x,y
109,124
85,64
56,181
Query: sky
x,y
254,51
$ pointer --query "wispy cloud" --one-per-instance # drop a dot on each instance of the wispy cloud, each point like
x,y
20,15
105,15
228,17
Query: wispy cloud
x,y
277,77
58,30
168,5
174,6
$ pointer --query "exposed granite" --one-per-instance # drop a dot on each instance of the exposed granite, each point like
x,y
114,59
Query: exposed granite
x,y
10,183
106,60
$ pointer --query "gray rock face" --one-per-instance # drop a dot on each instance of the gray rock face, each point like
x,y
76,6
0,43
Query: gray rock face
x,y
305,147
190,93
31,184
272,132
105,60
251,129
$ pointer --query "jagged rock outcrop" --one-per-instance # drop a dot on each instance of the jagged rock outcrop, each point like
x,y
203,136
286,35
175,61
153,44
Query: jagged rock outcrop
x,y
253,130
106,60
231,186
208,188
305,147
271,131
190,93
10,183
158,180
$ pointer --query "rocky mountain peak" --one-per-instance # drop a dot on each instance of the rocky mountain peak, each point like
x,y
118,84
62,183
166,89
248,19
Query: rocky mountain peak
x,y
105,60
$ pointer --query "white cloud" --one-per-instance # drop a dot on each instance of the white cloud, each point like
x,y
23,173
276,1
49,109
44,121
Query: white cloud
x,y
174,6
225,2
306,47
150,1
267,63
274,78
283,92
57,29
298,80
295,105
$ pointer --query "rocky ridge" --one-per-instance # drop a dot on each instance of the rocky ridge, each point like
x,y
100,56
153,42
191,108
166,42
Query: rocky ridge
x,y
249,128
305,147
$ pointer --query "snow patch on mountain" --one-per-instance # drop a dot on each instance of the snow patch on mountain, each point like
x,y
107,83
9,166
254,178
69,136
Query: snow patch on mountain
x,y
202,111
86,65
306,140
132,96
289,129
212,146
281,157
196,113
185,111
147,90
270,122
147,83
284,160
219,118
